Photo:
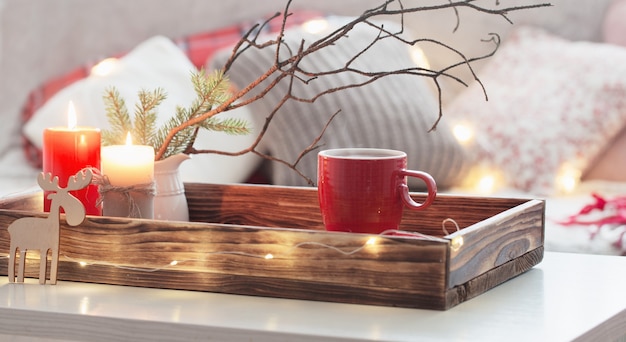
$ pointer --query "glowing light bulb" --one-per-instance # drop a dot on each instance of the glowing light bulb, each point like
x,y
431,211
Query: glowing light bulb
x,y
82,263
371,241
173,263
269,256
456,243
486,184
568,183
484,179
568,178
105,67
315,25
419,57
462,133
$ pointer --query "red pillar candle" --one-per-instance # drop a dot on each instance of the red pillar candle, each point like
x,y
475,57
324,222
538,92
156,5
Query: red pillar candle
x,y
69,150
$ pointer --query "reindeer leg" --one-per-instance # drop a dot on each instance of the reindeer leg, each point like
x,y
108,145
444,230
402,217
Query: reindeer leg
x,y
22,266
43,264
54,266
12,253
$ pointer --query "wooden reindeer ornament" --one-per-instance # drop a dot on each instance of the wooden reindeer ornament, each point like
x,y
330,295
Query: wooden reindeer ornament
x,y
42,234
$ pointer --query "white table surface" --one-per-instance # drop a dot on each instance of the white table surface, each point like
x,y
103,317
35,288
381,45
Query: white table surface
x,y
566,297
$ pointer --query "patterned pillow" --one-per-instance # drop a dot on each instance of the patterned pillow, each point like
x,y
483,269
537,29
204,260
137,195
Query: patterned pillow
x,y
393,112
553,104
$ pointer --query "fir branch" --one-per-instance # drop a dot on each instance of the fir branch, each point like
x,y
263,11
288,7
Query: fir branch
x,y
180,141
118,117
231,126
212,89
144,128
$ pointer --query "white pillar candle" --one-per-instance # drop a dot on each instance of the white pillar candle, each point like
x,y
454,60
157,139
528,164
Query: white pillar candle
x,y
130,172
128,165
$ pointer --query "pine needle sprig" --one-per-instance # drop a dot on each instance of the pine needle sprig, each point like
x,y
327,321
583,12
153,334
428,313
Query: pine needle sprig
x,y
146,116
211,91
118,117
232,126
182,140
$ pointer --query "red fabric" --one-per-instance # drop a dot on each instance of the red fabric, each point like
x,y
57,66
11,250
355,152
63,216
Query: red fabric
x,y
199,48
613,214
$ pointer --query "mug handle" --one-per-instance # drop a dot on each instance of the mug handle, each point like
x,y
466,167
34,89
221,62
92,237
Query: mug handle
x,y
431,186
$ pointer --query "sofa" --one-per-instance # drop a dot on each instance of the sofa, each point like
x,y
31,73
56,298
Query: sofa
x,y
546,121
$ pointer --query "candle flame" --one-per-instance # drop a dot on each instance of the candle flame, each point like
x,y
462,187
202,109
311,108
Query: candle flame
x,y
129,140
71,116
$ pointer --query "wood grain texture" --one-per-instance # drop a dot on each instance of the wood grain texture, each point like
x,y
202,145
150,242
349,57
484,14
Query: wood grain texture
x,y
497,240
30,201
236,226
294,207
231,259
494,277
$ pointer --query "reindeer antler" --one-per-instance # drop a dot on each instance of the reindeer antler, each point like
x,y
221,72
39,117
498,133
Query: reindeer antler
x,y
80,180
47,182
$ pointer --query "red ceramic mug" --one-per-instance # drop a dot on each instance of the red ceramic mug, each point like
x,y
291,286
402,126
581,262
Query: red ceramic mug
x,y
364,190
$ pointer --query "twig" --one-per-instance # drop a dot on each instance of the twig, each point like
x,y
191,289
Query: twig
x,y
290,67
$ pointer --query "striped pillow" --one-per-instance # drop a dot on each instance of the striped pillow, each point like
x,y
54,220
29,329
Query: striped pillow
x,y
393,112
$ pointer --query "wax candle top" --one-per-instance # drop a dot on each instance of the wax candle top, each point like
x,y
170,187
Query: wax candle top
x,y
128,165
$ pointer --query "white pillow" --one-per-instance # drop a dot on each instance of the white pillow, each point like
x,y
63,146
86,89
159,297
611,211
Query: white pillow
x,y
157,62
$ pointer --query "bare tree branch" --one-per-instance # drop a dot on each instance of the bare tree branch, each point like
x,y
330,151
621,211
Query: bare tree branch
x,y
290,67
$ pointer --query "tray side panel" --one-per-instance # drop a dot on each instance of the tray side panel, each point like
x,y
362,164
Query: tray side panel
x,y
262,206
304,264
29,201
494,277
496,240
298,207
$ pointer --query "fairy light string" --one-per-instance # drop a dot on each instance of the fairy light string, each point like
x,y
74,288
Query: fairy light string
x,y
455,243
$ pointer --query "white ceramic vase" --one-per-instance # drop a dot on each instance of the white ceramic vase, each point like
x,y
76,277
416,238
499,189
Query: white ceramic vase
x,y
170,203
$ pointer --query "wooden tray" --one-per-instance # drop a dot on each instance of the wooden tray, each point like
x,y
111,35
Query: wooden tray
x,y
270,241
